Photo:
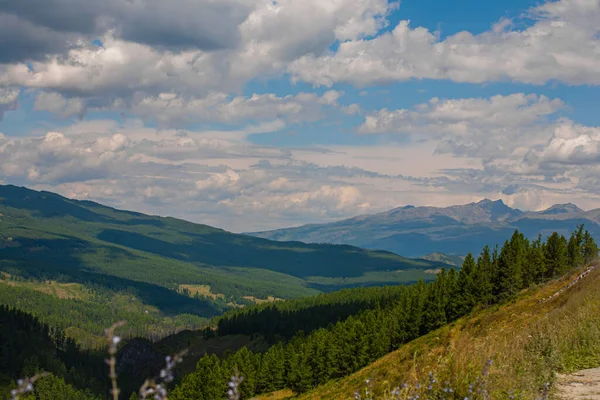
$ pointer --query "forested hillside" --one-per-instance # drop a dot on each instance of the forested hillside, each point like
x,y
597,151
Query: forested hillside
x,y
350,329
28,347
77,265
537,346
320,353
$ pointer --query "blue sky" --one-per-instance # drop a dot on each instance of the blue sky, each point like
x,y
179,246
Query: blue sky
x,y
258,115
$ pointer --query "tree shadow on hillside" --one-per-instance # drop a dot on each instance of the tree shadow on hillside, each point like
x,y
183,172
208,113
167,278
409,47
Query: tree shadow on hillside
x,y
60,259
224,249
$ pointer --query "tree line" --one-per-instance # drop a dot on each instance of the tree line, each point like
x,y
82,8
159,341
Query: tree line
x,y
28,346
324,352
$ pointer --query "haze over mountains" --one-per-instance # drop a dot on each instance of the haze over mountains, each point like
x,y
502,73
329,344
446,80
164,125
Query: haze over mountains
x,y
457,230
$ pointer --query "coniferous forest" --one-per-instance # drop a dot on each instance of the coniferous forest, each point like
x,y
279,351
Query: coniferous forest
x,y
312,340
367,324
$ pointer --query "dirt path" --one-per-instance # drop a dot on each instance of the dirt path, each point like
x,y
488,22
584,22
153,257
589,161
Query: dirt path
x,y
580,385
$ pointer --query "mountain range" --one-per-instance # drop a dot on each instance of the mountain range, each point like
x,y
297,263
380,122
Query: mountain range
x,y
43,234
455,230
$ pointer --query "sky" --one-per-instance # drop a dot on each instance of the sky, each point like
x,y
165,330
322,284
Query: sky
x,y
260,114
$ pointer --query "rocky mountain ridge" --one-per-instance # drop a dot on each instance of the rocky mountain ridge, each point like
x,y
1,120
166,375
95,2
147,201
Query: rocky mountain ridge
x,y
455,230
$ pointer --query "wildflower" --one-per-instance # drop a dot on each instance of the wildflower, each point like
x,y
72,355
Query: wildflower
x,y
234,383
25,386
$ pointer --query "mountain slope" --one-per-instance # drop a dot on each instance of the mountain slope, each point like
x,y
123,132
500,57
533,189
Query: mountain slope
x,y
456,230
546,330
445,258
164,261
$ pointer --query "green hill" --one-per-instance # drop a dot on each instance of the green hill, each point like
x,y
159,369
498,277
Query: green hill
x,y
164,263
547,330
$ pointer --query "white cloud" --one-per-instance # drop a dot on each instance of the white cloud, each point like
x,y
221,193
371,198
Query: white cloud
x,y
228,182
462,117
170,109
8,100
127,67
570,145
493,128
57,104
563,45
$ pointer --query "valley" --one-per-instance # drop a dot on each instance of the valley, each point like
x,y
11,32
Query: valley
x,y
295,320
161,274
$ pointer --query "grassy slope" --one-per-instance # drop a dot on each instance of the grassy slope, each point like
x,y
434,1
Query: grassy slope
x,y
527,340
445,258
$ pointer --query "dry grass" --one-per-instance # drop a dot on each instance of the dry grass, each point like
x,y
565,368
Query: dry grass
x,y
60,290
269,299
202,290
528,342
278,395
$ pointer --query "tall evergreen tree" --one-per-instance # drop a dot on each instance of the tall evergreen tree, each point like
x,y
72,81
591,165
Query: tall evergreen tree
x,y
574,247
466,296
483,277
537,260
589,248
556,255
434,315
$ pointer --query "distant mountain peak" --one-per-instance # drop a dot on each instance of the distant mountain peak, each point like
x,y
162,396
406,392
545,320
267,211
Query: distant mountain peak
x,y
487,201
562,208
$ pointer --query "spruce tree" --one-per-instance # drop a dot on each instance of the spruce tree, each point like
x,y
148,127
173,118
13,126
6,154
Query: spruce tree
x,y
537,260
574,247
483,277
452,291
434,315
589,248
556,255
466,296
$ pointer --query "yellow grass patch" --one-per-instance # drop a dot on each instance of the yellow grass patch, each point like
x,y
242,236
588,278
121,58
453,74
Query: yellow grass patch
x,y
60,290
269,299
278,395
202,290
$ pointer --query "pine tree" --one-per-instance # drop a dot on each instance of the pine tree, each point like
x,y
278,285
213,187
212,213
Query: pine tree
x,y
483,277
452,291
466,295
589,248
574,247
245,363
434,315
519,246
537,260
299,377
556,255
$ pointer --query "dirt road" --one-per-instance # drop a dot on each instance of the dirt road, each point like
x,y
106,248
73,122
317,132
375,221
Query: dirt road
x,y
580,385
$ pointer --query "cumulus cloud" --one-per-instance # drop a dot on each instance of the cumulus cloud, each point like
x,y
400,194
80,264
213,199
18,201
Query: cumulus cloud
x,y
192,49
270,35
460,116
562,44
169,108
570,144
8,100
204,24
22,40
57,104
499,126
207,175
188,62
226,181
